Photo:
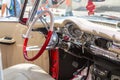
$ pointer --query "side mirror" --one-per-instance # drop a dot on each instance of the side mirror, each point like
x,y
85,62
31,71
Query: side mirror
x,y
98,0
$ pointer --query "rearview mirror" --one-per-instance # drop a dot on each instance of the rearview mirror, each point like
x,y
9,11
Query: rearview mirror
x,y
98,0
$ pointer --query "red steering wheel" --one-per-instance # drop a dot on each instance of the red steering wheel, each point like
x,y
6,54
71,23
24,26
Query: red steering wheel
x,y
27,47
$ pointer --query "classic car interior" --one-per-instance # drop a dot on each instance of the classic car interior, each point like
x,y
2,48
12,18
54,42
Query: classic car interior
x,y
59,47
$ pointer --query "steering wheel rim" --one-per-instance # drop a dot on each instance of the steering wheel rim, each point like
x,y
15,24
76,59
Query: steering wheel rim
x,y
48,37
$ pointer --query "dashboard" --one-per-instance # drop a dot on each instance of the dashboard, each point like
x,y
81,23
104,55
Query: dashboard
x,y
86,35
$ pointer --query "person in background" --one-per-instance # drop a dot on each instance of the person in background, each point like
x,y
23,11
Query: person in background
x,y
46,4
68,10
43,6
13,10
32,2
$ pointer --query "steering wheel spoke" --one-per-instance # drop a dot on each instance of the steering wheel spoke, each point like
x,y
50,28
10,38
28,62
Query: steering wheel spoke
x,y
33,48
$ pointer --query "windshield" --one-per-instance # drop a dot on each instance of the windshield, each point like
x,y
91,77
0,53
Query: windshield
x,y
80,7
109,7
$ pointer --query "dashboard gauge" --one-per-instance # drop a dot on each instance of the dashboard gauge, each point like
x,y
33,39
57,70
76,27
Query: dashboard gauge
x,y
74,31
87,37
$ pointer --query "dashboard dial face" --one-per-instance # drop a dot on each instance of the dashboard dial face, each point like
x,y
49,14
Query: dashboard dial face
x,y
74,31
87,37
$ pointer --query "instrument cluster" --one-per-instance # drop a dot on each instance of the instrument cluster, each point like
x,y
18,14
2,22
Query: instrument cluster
x,y
73,32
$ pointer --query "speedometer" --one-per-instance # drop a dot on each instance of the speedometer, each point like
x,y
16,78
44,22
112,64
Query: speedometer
x,y
74,31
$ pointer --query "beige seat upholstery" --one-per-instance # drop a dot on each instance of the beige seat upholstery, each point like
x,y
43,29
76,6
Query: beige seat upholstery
x,y
26,71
